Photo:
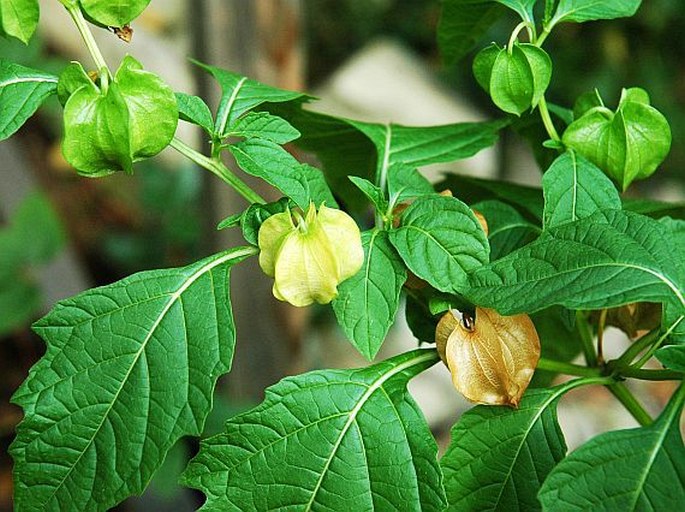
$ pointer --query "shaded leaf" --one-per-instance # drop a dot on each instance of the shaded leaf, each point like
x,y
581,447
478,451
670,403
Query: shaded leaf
x,y
440,240
367,302
102,410
508,230
462,25
331,439
22,91
405,182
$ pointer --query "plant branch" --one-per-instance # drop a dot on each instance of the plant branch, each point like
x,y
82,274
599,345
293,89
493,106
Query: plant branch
x,y
586,339
216,167
550,365
650,352
658,375
635,349
87,35
547,120
623,394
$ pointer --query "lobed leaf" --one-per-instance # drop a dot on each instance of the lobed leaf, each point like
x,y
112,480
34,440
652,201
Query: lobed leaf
x,y
628,470
605,260
327,440
574,189
499,457
367,302
22,91
130,368
441,241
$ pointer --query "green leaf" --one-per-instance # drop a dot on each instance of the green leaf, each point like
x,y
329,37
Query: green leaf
x,y
473,190
20,300
367,303
270,162
580,11
264,126
440,240
193,109
374,193
152,108
606,260
508,230
627,145
653,208
524,8
574,189
673,357
327,440
22,91
627,470
130,368
37,229
113,14
462,24
96,132
240,94
19,18
405,182
560,340
499,457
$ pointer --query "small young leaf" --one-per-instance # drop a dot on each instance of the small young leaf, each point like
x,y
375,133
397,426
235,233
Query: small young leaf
x,y
240,94
440,240
508,230
462,24
269,161
113,14
22,91
630,255
574,189
580,11
193,109
636,469
152,108
374,193
323,441
263,125
19,18
405,182
499,457
130,368
252,218
367,302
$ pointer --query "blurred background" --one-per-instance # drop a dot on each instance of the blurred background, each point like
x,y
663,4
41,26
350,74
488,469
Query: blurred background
x,y
373,60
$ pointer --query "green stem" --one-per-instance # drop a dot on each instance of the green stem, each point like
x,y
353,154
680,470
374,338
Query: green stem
x,y
550,365
657,375
648,355
623,394
543,36
515,34
87,35
635,349
586,339
547,120
216,167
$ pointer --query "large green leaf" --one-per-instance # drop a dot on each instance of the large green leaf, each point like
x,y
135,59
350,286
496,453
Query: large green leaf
x,y
22,91
418,146
462,24
130,368
588,10
628,470
240,94
574,189
508,230
19,18
272,163
440,240
499,457
367,302
605,260
327,440
113,14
